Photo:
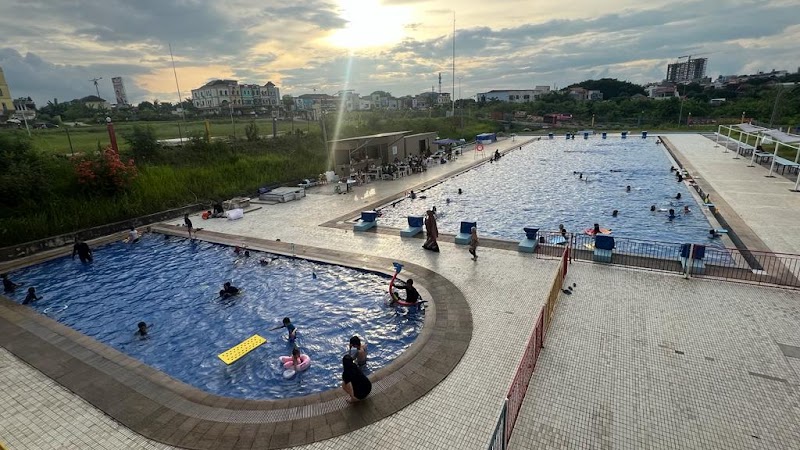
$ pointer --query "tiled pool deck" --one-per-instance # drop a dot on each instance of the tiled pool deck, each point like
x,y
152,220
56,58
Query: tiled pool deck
x,y
610,352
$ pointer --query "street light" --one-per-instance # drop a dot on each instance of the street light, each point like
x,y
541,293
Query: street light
x,y
742,117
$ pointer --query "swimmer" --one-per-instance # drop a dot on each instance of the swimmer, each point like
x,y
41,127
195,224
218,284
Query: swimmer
x,y
295,358
142,329
133,236
447,200
412,295
686,209
237,250
627,189
412,195
679,177
671,214
31,297
358,350
460,191
83,251
228,290
580,175
652,208
672,169
287,323
8,285
678,196
614,213
247,253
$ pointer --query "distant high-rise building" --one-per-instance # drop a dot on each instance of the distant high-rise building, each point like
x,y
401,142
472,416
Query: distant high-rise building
x,y
6,103
119,91
687,71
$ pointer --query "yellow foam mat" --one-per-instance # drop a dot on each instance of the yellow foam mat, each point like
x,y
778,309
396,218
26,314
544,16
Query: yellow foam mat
x,y
243,348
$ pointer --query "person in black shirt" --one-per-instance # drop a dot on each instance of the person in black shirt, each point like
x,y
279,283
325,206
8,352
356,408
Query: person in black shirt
x,y
219,211
354,382
228,290
412,296
31,297
188,224
8,285
83,251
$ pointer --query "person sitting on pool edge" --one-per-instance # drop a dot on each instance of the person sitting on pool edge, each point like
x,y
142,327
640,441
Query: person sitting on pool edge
x,y
219,211
412,295
358,350
133,236
8,285
31,297
228,290
287,323
354,382
596,229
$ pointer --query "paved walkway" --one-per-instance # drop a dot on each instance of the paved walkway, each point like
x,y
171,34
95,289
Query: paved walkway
x,y
766,205
661,362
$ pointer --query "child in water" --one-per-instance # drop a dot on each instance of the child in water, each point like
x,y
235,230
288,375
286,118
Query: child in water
x,y
31,297
287,323
358,350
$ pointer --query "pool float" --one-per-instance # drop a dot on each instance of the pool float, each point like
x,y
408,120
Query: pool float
x,y
398,302
305,363
590,231
246,346
55,309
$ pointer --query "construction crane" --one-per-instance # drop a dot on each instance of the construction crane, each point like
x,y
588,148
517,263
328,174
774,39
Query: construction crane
x,y
96,88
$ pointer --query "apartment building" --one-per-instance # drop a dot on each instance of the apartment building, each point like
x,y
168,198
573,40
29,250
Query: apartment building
x,y
219,95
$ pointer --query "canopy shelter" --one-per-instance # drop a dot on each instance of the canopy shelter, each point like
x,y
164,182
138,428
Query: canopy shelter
x,y
446,141
359,153
779,138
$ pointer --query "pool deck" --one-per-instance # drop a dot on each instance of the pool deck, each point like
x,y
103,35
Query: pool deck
x,y
632,359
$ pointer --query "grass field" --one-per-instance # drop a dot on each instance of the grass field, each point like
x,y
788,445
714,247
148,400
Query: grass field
x,y
54,140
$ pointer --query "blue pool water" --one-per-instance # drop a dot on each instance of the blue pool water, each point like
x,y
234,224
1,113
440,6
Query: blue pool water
x,y
173,283
536,187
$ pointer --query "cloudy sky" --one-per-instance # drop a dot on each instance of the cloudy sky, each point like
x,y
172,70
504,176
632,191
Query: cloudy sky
x,y
51,48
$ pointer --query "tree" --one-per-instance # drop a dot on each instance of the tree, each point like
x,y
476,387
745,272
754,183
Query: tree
x,y
23,178
251,131
143,142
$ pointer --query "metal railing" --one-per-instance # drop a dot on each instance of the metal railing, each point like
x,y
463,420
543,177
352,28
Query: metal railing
x,y
522,377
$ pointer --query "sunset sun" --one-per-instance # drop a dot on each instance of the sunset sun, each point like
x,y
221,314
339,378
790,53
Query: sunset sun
x,y
369,24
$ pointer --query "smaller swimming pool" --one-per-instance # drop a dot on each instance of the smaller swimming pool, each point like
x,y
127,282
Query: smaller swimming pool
x,y
173,285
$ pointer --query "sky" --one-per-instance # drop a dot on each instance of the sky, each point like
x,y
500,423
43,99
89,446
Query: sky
x,y
52,48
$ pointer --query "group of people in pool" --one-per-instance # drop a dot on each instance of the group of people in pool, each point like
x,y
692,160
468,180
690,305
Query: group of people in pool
x,y
9,287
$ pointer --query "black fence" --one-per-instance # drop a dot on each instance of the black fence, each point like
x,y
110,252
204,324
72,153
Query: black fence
x,y
729,264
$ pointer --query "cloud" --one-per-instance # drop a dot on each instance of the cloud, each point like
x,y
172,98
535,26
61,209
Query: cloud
x,y
59,46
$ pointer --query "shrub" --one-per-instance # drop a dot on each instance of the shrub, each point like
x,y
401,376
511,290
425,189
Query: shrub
x,y
106,173
143,142
23,178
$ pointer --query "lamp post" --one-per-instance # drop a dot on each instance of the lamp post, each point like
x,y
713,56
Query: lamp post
x,y
112,136
460,103
233,124
742,117
689,120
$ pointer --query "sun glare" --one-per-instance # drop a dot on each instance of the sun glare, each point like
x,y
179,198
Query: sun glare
x,y
369,24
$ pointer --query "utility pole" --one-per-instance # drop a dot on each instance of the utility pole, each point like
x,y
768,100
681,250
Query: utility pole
x,y
453,110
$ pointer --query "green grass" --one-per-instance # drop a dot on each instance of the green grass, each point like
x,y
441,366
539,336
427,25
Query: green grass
x,y
85,139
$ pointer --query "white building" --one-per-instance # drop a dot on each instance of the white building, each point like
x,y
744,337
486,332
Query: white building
x,y
513,95
229,94
662,91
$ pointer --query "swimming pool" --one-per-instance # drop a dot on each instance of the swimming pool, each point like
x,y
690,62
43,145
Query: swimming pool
x,y
539,186
174,284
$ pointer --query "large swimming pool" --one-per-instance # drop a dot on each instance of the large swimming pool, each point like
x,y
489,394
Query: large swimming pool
x,y
173,284
540,186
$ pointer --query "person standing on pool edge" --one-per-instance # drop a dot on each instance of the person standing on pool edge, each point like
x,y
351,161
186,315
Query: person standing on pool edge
x,y
473,243
287,323
188,224
431,232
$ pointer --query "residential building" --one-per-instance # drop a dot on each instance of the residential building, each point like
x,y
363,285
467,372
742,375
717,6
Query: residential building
x,y
351,100
513,95
661,91
313,105
431,99
95,102
579,93
217,95
214,95
6,104
24,108
687,71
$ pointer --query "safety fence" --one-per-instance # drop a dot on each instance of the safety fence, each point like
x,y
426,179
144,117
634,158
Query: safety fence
x,y
522,377
728,264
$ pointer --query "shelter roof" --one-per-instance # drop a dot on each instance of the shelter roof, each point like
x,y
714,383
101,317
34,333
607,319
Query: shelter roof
x,y
782,137
370,137
747,128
